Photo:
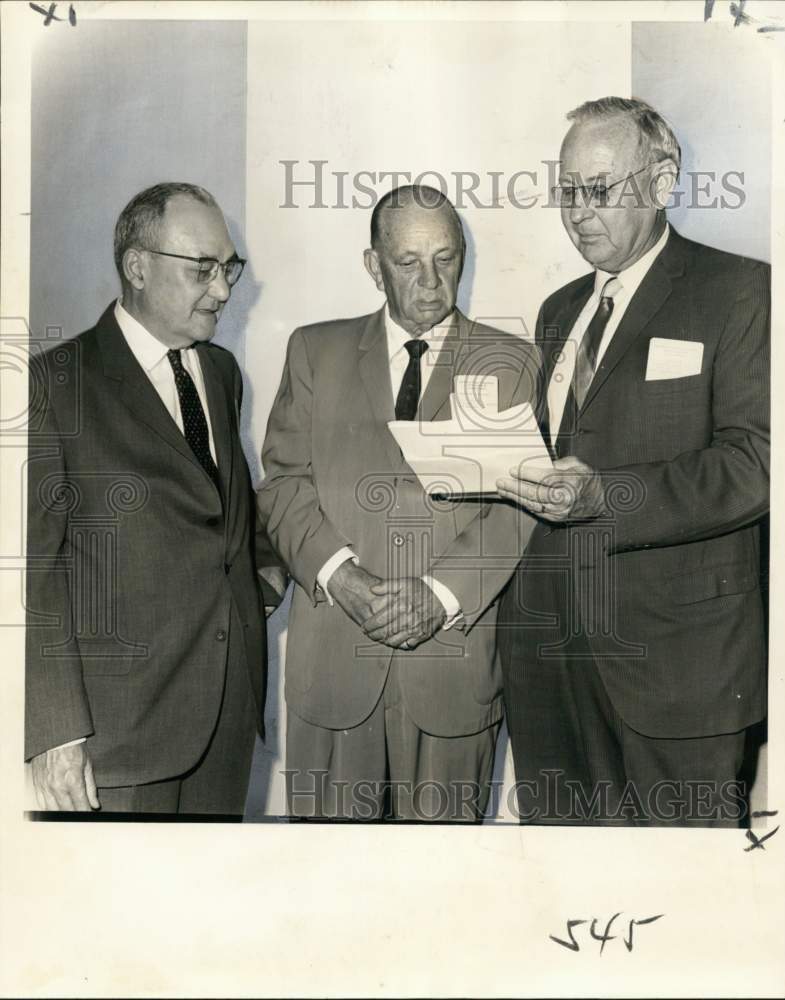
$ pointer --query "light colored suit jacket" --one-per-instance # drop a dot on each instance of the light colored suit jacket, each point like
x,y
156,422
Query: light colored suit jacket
x,y
335,476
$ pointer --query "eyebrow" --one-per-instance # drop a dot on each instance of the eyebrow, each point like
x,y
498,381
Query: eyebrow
x,y
209,256
604,176
414,253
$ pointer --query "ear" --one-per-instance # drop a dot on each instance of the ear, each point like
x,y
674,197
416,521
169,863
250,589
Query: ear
x,y
374,268
663,181
133,268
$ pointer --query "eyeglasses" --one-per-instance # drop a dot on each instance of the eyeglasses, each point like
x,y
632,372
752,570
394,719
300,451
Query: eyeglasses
x,y
208,267
595,196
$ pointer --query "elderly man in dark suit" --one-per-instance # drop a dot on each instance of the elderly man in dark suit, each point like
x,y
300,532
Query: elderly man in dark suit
x,y
392,679
632,636
146,640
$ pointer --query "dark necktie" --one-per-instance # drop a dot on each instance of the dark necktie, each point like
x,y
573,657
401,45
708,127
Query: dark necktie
x,y
585,365
409,394
194,420
586,358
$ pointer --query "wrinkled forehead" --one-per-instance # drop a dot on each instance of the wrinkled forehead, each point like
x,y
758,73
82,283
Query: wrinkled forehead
x,y
413,226
609,148
196,229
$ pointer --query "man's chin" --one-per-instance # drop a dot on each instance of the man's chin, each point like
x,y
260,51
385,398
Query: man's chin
x,y
429,318
594,252
205,325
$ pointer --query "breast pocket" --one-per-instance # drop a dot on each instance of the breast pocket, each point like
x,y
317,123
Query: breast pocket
x,y
685,384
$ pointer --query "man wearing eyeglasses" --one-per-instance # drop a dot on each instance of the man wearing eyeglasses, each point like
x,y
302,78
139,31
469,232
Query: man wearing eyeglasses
x,y
632,635
146,650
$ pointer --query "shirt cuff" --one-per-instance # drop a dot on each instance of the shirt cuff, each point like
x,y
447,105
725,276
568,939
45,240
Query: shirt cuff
x,y
332,564
70,743
451,606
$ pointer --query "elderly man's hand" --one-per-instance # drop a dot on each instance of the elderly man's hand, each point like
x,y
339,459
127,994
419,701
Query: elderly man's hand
x,y
350,587
406,613
63,779
572,492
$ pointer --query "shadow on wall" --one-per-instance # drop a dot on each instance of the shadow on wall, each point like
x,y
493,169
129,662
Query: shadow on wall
x,y
232,335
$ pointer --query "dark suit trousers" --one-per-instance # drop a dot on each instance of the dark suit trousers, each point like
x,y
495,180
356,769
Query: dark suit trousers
x,y
387,767
576,760
218,783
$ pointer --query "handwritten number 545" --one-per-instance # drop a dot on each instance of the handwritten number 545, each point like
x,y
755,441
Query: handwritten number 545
x,y
605,936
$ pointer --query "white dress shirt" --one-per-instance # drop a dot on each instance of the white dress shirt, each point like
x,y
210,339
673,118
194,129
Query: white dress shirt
x,y
151,355
398,356
628,282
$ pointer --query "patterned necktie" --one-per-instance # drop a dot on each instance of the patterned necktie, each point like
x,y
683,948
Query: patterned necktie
x,y
194,420
409,394
586,358
585,364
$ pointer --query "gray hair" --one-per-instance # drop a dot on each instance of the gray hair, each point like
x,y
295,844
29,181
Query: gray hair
x,y
656,135
138,223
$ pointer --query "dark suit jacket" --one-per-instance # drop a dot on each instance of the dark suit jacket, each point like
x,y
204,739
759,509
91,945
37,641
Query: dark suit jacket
x,y
335,476
668,589
135,563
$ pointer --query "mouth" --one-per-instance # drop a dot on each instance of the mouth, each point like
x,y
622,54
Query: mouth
x,y
429,306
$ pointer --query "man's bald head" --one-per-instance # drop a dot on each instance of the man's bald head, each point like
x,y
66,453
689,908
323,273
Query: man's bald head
x,y
396,207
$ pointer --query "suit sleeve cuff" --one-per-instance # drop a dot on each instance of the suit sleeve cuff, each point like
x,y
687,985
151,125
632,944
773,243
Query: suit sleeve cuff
x,y
332,564
450,602
70,743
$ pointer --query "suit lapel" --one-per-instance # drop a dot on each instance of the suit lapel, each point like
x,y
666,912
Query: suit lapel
x,y
553,336
551,340
134,387
138,395
647,301
374,368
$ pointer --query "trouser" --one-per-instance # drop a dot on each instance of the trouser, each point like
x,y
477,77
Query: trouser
x,y
387,767
578,762
218,783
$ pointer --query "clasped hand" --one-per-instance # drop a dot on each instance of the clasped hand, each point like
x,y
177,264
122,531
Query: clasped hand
x,y
572,492
399,613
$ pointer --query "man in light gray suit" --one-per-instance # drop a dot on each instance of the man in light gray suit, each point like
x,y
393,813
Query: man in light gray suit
x,y
392,684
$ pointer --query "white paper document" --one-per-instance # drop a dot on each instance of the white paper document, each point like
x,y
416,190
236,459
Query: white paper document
x,y
479,444
673,358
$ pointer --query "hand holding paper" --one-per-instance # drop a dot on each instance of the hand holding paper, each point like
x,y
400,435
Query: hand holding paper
x,y
573,491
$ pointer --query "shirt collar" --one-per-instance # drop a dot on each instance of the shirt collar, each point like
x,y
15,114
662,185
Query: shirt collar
x,y
631,278
397,336
147,349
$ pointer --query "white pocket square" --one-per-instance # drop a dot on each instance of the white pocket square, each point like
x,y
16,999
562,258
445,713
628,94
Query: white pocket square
x,y
673,358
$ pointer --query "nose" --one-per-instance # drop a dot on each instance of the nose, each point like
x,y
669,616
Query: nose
x,y
219,288
428,276
579,212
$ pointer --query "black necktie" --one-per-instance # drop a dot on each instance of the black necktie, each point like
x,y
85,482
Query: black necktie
x,y
409,394
585,364
194,420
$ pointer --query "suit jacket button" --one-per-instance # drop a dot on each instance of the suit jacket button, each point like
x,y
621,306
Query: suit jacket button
x,y
227,567
220,635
